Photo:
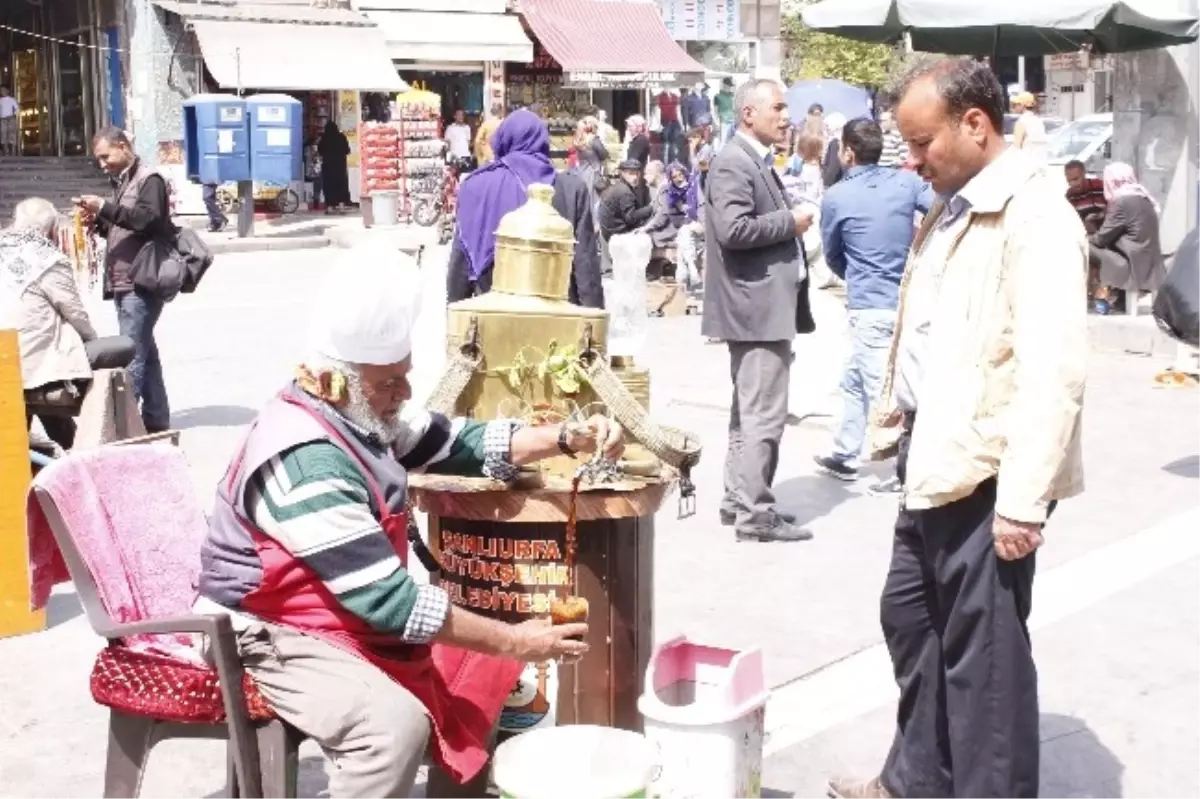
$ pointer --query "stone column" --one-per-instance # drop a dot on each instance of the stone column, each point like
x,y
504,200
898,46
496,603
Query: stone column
x,y
1155,128
760,22
163,72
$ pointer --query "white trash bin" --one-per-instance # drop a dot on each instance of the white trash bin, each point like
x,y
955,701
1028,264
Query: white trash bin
x,y
577,761
385,207
705,709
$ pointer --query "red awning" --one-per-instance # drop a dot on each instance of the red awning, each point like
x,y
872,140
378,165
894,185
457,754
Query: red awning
x,y
610,42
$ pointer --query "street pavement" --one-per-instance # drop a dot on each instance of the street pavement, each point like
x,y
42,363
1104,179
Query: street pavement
x,y
1116,608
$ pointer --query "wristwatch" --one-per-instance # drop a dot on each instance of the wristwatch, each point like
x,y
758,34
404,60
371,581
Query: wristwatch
x,y
563,446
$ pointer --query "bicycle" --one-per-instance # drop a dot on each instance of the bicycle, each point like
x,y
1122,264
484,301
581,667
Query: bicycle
x,y
429,210
282,199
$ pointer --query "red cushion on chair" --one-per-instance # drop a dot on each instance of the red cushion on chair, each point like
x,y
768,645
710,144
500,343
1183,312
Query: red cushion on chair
x,y
163,688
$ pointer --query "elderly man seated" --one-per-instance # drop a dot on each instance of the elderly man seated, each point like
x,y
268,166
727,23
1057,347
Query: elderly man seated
x,y
307,548
40,299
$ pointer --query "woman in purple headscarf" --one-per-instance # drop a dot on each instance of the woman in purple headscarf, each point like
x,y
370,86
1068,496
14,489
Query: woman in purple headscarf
x,y
522,149
670,204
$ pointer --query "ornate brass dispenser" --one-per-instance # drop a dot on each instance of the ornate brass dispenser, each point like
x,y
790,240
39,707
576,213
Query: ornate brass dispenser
x,y
525,329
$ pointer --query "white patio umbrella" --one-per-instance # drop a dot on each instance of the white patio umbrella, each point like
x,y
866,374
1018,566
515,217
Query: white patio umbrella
x,y
1005,27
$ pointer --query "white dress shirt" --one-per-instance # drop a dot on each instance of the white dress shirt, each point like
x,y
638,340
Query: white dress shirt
x,y
458,139
764,151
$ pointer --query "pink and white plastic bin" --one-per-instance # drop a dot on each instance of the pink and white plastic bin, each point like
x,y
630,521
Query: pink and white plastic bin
x,y
704,708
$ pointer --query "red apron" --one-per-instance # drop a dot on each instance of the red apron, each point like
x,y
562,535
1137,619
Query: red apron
x,y
463,692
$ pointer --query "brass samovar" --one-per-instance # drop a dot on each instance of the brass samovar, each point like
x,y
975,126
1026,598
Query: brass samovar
x,y
527,333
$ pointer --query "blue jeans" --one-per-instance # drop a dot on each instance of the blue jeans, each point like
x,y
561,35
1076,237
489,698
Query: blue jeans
x,y
870,342
726,133
137,313
216,217
670,142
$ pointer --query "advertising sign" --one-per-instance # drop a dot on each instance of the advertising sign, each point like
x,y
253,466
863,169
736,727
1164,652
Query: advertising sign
x,y
701,20
512,576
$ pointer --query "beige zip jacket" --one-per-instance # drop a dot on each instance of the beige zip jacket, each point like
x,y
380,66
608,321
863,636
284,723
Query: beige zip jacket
x,y
1006,351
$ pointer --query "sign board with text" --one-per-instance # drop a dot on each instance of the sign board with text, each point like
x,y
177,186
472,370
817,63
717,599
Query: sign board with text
x,y
701,20
627,80
1064,61
509,572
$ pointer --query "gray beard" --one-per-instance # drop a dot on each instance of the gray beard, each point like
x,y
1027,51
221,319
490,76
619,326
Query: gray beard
x,y
358,411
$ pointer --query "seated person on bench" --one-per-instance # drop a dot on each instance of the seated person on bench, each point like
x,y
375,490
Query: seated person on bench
x,y
40,299
670,193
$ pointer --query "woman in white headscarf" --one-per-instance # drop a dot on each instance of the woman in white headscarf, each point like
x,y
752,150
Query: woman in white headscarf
x,y
1125,253
637,138
831,167
40,299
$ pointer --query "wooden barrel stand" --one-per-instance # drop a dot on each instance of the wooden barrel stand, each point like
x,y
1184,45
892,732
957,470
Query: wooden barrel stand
x,y
502,554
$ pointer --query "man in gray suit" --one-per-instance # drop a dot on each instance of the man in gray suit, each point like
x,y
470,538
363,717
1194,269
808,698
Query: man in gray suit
x,y
756,300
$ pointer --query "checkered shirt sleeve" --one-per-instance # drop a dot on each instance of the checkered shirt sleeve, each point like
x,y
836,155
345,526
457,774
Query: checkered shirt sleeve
x,y
497,449
428,615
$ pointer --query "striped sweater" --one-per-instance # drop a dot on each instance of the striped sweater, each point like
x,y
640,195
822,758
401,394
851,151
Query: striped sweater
x,y
895,151
314,501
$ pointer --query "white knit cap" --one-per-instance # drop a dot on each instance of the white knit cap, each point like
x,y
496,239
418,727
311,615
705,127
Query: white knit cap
x,y
366,307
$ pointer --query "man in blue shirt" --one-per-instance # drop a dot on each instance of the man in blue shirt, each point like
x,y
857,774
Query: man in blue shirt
x,y
867,225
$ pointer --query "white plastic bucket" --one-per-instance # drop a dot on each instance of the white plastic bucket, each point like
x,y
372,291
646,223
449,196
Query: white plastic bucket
x,y
385,207
579,761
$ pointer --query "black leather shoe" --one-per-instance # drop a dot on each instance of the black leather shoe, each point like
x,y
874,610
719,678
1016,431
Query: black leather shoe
x,y
781,532
728,518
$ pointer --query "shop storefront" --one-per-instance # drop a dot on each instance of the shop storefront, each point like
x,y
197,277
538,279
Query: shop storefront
x,y
591,54
539,85
50,62
452,48
323,57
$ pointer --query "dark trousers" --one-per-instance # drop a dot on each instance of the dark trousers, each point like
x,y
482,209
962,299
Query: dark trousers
x,y
216,217
670,142
460,286
757,418
137,314
954,618
105,352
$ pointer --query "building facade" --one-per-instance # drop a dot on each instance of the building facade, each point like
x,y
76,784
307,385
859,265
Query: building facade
x,y
1077,85
60,60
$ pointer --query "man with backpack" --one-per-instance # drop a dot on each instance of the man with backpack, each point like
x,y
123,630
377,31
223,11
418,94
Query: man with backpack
x,y
138,213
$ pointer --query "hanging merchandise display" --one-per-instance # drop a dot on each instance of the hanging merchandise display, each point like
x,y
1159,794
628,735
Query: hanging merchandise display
x,y
32,132
539,86
379,156
422,163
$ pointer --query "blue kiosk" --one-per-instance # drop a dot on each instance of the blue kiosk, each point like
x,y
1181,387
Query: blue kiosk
x,y
243,140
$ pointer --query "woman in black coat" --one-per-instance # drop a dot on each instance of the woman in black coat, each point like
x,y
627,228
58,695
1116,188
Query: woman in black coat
x,y
334,149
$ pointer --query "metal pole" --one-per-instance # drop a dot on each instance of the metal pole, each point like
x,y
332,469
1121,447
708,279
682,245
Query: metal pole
x,y
245,208
245,187
1074,88
1193,211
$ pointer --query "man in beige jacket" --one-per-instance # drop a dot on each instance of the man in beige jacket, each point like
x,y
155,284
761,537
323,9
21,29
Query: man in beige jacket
x,y
39,298
982,398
